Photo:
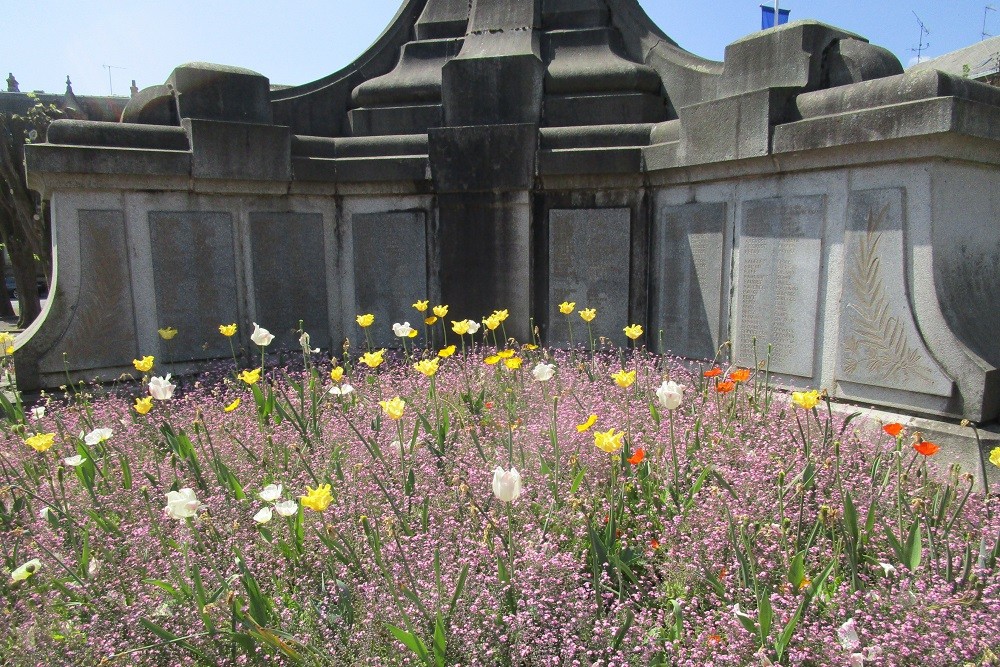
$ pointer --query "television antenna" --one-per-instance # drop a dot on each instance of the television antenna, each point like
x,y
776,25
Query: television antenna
x,y
111,90
986,10
921,46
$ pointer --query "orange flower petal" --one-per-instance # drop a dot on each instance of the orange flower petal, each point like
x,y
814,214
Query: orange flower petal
x,y
926,448
893,429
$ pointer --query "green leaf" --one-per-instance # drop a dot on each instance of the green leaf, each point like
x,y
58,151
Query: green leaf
x,y
851,517
797,570
913,550
620,635
410,641
440,643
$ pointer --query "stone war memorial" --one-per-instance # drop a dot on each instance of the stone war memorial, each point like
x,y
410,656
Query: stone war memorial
x,y
805,194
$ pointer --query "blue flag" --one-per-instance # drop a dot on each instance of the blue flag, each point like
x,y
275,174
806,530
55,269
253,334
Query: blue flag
x,y
767,16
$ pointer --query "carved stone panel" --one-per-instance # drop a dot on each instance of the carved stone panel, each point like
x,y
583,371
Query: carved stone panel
x,y
779,247
879,343
687,272
194,276
390,269
289,271
101,333
589,252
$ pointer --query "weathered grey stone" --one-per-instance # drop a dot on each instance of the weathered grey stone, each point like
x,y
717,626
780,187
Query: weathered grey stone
x,y
687,278
90,133
194,275
483,157
589,253
239,150
101,332
879,342
390,270
219,92
289,268
778,266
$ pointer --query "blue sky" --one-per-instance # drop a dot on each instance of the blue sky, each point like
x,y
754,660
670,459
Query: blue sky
x,y
298,42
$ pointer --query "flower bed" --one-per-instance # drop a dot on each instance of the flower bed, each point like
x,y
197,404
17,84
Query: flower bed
x,y
482,506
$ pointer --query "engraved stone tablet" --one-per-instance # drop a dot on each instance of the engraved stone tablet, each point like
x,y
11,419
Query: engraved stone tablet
x,y
194,275
589,253
101,332
289,270
687,275
779,256
879,341
390,270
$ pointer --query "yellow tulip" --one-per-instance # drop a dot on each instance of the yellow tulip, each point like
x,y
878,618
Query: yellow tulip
x,y
585,426
807,400
232,406
505,354
566,307
623,378
393,408
513,363
144,405
461,327
430,320
501,314
446,352
608,441
633,331
529,346
373,359
492,322
427,367
588,314
250,377
41,442
317,499
143,365
421,306
336,373
227,330
440,311
492,359
412,334
995,456
168,333
365,320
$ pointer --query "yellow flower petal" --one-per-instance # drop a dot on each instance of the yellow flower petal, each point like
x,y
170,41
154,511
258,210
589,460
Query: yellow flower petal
x,y
585,426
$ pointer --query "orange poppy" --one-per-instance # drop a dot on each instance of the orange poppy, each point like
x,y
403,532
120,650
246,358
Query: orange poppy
x,y
715,371
725,387
893,429
637,458
654,543
926,448
740,375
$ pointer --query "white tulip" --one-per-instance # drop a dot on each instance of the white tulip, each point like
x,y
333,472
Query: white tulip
x,y
161,388
286,508
670,394
74,461
182,504
473,327
26,570
402,330
270,493
97,436
506,484
263,516
847,635
261,336
38,412
341,390
543,372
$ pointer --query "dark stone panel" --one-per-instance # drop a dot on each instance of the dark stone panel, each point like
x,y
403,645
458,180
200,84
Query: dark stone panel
x,y
194,276
687,278
289,269
390,269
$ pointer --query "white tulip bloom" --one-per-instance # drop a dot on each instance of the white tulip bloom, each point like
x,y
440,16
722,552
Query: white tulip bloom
x,y
270,493
670,394
161,388
97,436
38,412
543,372
74,461
341,390
182,504
263,516
473,327
402,330
261,336
506,484
287,508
